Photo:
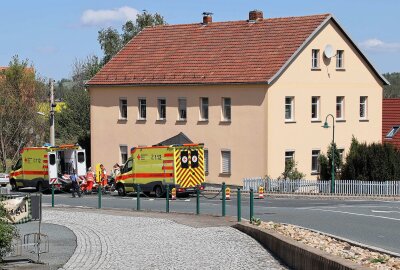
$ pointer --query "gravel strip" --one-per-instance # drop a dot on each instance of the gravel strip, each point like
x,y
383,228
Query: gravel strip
x,y
121,242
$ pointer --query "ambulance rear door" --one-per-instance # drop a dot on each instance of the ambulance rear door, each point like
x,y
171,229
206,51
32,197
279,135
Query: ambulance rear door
x,y
52,167
80,162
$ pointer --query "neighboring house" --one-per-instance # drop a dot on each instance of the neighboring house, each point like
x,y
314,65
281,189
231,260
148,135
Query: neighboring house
x,y
391,121
256,92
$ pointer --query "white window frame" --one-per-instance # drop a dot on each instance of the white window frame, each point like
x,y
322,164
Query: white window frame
x,y
206,160
121,107
289,155
226,109
182,107
291,106
140,117
364,103
161,109
340,59
315,155
229,169
121,152
315,59
340,103
317,108
204,109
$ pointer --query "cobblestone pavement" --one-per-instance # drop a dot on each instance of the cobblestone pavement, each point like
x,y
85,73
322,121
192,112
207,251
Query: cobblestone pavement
x,y
125,242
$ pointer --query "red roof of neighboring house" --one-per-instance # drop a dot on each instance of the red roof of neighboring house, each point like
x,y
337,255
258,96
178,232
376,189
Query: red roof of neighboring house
x,y
390,119
219,52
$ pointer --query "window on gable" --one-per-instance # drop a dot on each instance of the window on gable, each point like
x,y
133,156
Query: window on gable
x,y
393,132
315,59
363,107
289,108
339,59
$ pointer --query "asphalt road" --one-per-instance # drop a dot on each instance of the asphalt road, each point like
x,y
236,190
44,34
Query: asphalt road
x,y
374,223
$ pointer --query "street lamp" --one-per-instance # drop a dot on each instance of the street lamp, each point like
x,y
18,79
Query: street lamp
x,y
333,149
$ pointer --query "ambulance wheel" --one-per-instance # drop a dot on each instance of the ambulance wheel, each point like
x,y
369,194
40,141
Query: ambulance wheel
x,y
121,190
13,184
39,187
158,191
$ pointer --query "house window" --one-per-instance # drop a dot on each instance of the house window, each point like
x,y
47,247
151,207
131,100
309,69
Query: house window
x,y
315,59
314,161
206,160
289,157
339,108
123,108
341,151
363,107
393,132
204,109
226,109
182,109
315,108
162,108
289,108
142,109
226,161
339,59
123,149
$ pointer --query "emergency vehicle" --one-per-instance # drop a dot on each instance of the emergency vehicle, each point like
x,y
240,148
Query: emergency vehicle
x,y
40,167
180,166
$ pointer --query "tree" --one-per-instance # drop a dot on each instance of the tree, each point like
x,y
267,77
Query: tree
x,y
291,171
7,233
392,90
111,41
325,163
21,94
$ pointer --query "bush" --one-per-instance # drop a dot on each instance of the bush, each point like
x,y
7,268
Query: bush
x,y
7,233
291,172
325,163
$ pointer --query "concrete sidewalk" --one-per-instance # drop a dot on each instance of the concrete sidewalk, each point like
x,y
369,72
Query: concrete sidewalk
x,y
123,239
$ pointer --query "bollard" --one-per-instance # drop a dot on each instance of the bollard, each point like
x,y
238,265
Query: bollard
x,y
138,197
223,199
239,205
52,195
99,193
198,200
167,198
227,193
260,192
173,194
251,204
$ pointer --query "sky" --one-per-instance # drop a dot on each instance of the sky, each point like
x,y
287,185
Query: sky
x,y
52,35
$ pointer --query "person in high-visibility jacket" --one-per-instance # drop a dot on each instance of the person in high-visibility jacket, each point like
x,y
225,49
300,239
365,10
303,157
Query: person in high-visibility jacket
x,y
89,181
103,176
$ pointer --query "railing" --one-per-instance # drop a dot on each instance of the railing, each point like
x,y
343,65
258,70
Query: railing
x,y
342,187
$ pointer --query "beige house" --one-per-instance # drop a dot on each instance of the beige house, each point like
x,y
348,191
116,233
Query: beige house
x,y
256,92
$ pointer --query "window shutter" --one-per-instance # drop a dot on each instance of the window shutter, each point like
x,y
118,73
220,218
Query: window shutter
x,y
226,161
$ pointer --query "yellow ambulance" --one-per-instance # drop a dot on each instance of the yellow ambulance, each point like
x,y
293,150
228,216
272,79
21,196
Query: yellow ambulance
x,y
180,166
39,167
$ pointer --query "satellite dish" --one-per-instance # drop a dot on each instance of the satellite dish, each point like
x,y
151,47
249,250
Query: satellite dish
x,y
328,51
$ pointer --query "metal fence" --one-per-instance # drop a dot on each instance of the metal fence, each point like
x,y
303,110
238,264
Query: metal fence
x,y
342,187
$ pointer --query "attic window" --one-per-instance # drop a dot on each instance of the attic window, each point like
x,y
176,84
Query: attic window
x,y
392,132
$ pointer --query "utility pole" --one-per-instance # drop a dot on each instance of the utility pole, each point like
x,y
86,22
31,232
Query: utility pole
x,y
52,106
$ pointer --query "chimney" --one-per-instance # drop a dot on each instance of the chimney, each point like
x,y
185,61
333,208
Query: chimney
x,y
207,17
255,15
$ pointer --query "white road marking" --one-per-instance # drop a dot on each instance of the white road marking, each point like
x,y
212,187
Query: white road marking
x,y
355,214
379,211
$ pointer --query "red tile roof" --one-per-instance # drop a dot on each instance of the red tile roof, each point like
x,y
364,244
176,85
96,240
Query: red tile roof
x,y
391,118
220,52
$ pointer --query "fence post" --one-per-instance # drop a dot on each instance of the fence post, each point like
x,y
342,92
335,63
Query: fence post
x,y
138,197
167,199
99,194
251,204
52,195
198,200
239,205
223,199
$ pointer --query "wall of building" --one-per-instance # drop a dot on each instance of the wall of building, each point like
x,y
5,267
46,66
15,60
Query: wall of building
x,y
245,135
301,82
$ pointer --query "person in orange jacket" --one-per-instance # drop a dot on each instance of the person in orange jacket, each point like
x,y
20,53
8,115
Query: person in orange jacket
x,y
89,180
103,176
